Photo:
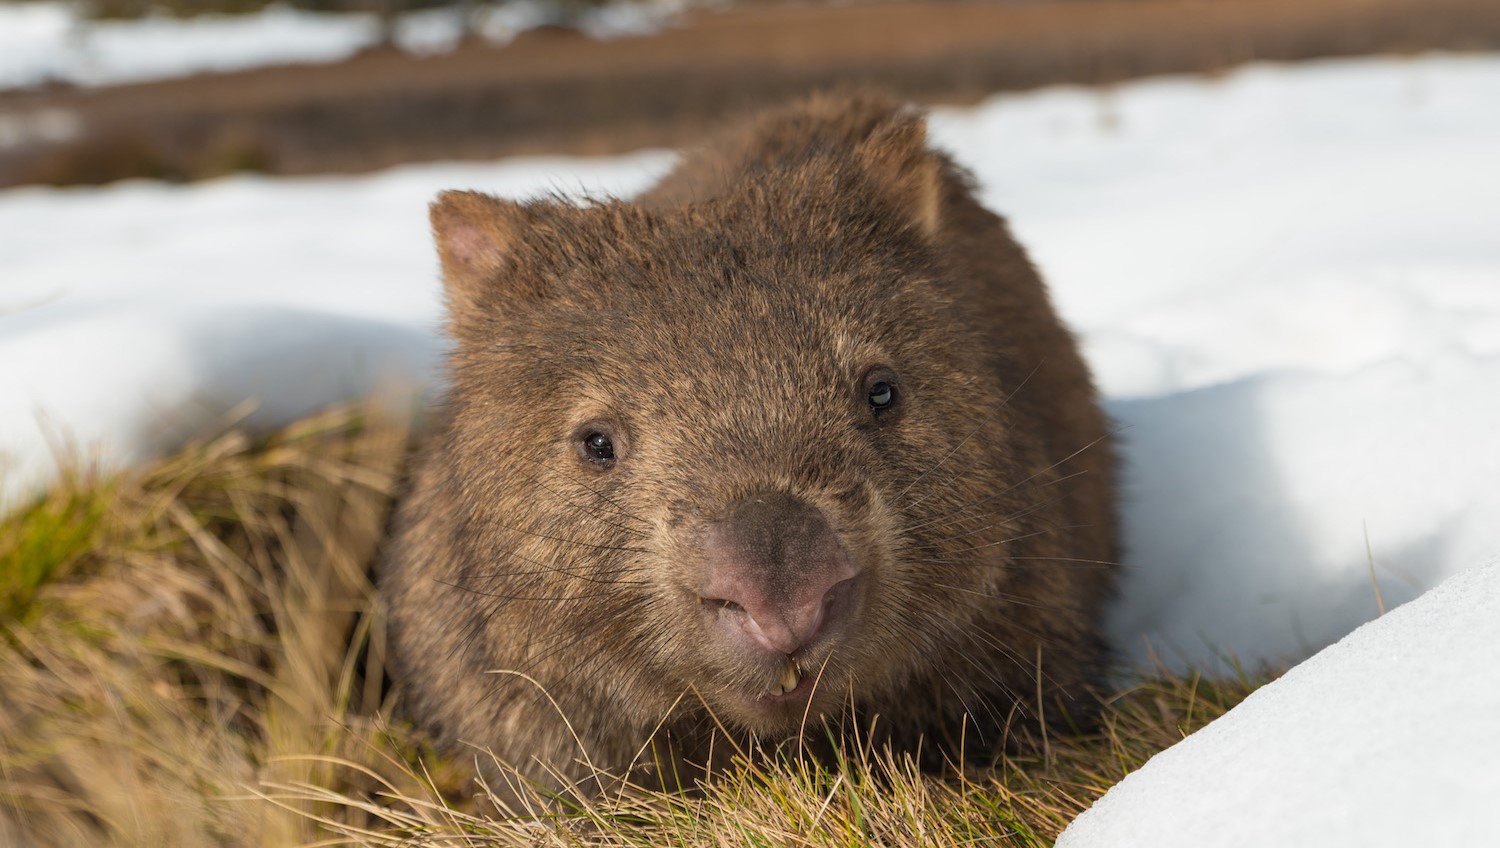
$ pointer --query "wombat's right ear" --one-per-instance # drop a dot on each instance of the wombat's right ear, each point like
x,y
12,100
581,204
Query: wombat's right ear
x,y
897,156
476,237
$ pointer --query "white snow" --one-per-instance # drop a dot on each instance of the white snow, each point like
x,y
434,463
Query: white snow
x,y
135,315
1288,283
52,40
1389,738
1287,280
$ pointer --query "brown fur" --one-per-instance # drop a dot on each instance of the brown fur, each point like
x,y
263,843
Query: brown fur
x,y
720,328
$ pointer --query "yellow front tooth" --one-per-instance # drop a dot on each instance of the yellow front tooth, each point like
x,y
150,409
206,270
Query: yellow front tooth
x,y
790,675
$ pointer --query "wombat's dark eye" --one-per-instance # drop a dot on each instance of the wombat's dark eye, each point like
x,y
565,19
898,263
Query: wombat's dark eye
x,y
882,393
598,449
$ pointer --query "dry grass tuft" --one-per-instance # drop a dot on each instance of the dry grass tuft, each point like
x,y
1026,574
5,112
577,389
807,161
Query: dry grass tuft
x,y
193,656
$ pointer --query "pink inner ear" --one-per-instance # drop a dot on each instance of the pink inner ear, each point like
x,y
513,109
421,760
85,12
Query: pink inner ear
x,y
473,234
471,247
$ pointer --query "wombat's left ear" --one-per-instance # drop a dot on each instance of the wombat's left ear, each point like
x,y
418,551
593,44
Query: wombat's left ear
x,y
897,157
476,236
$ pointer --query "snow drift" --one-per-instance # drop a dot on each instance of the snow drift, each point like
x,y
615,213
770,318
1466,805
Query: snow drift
x,y
1388,738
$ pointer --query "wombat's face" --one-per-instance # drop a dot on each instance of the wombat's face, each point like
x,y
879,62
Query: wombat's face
x,y
726,455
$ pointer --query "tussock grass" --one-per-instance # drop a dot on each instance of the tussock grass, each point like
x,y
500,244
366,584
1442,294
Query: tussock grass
x,y
193,655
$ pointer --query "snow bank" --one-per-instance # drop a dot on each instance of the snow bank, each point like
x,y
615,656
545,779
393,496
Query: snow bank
x,y
1288,284
1388,738
1287,495
51,40
1286,280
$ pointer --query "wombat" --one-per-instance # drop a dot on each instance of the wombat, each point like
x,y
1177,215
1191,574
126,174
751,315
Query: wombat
x,y
794,441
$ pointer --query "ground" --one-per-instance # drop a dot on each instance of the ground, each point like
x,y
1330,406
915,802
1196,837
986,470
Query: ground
x,y
556,91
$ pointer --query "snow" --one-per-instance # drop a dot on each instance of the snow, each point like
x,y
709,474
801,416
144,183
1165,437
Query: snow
x,y
1280,490
1288,284
1388,738
190,300
43,41
52,40
1286,279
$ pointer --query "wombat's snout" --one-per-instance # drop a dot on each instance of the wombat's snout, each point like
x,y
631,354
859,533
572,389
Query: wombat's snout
x,y
775,576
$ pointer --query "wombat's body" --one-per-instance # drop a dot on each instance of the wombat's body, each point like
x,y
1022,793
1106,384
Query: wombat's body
x,y
796,435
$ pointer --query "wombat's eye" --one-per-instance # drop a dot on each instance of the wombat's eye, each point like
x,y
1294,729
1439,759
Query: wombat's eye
x,y
881,392
599,449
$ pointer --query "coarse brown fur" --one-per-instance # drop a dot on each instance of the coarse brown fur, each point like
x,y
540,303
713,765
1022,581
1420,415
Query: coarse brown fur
x,y
721,330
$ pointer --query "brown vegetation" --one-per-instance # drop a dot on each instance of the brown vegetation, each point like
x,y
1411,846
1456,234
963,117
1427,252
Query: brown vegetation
x,y
190,656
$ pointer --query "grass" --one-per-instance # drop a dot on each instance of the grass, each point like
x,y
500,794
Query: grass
x,y
192,655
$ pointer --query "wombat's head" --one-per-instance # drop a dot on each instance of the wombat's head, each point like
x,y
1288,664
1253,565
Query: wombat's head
x,y
728,452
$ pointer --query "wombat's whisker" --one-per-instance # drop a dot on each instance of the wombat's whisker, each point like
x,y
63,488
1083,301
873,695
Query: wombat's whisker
x,y
598,574
1010,540
1043,641
1007,521
567,647
977,427
1025,601
945,457
614,505
1009,654
515,596
595,516
962,590
942,519
608,580
1014,486
1003,596
938,541
598,546
987,674
1092,563
1058,562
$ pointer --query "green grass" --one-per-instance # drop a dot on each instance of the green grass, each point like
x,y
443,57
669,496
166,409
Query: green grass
x,y
45,541
193,656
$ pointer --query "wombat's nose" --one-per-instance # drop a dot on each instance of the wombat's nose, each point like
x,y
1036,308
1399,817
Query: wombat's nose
x,y
775,574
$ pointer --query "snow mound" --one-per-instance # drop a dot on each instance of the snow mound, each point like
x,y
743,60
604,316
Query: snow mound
x,y
1389,738
1264,512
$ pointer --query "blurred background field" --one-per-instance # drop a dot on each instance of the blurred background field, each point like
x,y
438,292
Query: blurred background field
x,y
542,76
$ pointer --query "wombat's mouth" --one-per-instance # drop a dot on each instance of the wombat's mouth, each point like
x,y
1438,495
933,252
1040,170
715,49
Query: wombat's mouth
x,y
788,681
775,686
788,695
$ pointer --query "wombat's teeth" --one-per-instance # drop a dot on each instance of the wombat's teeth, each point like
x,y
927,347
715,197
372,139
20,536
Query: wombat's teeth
x,y
791,675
